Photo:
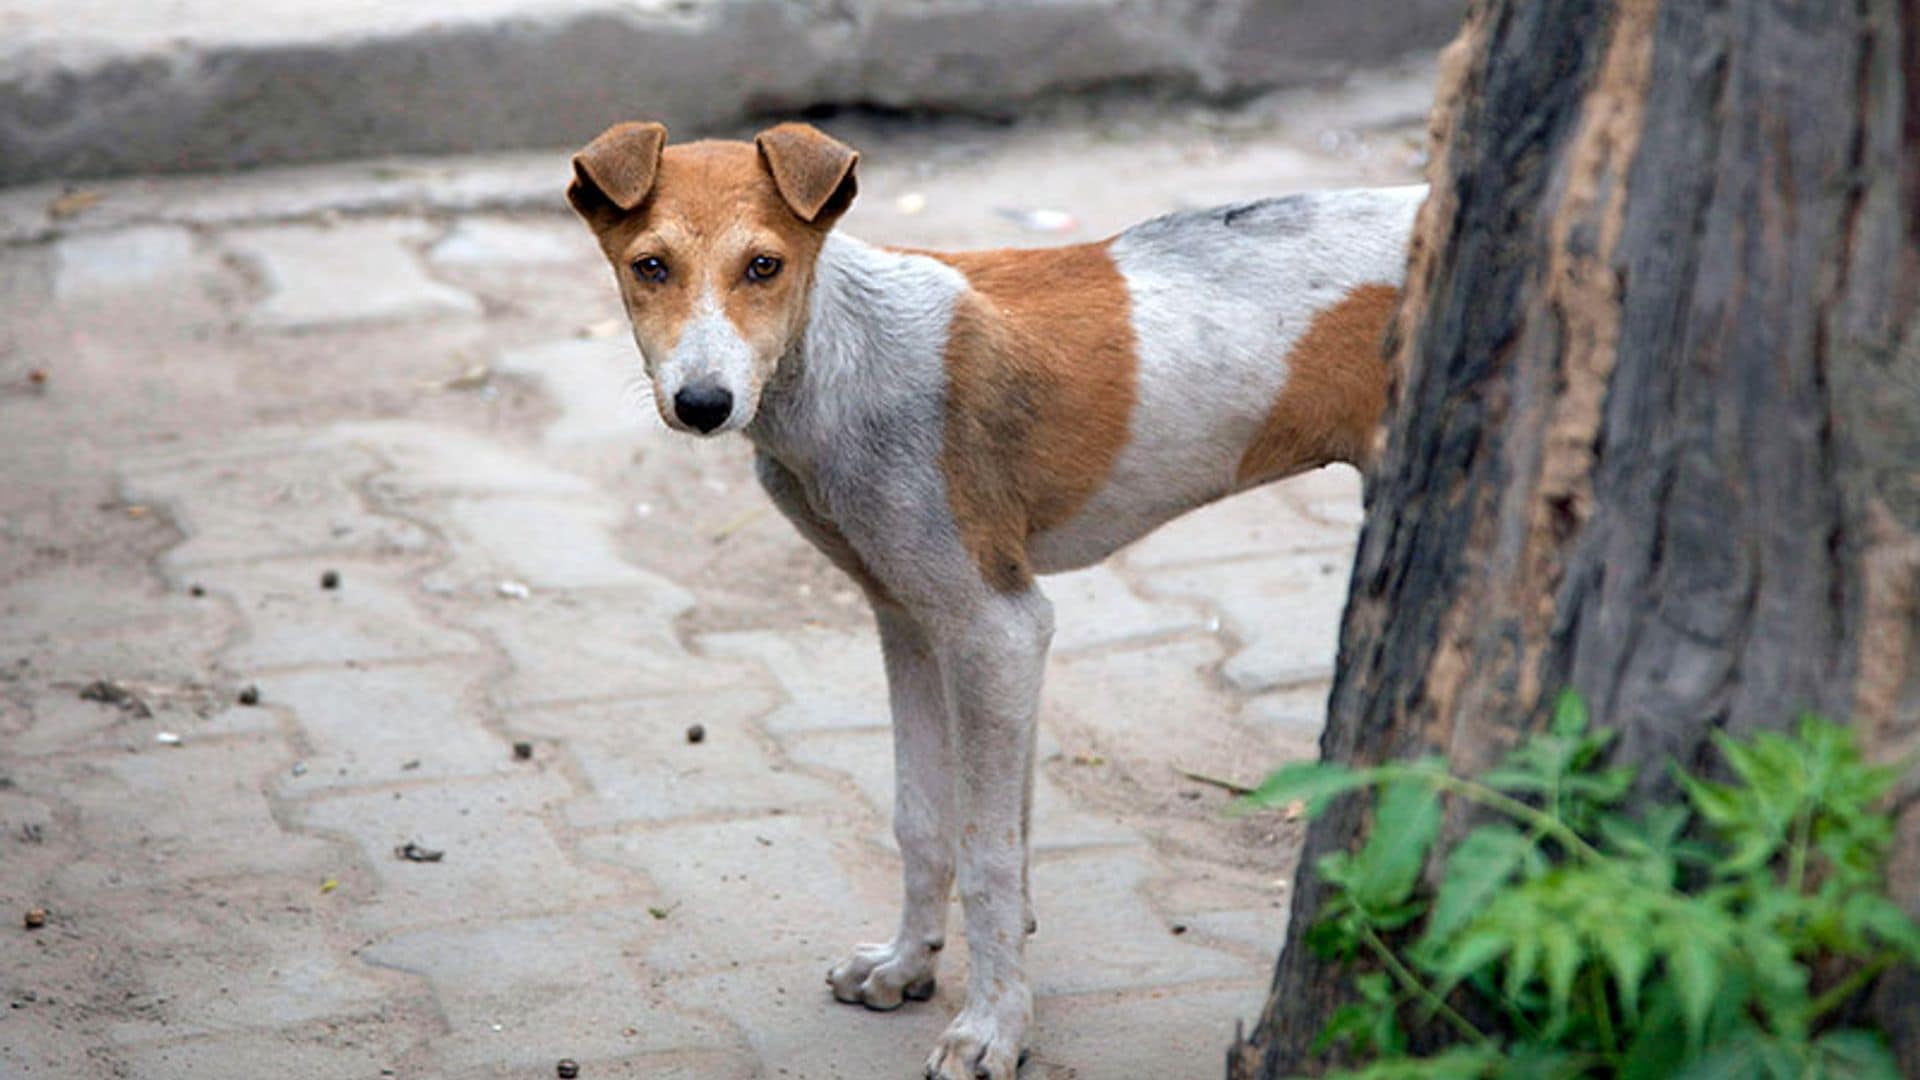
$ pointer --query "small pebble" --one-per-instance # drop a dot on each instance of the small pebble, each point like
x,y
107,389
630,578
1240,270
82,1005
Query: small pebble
x,y
697,733
523,751
1178,928
249,695
196,590
36,918
38,376
330,579
567,1069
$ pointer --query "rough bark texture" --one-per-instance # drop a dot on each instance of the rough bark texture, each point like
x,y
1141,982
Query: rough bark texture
x,y
1656,425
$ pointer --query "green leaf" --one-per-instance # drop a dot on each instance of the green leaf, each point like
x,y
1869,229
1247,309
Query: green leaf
x,y
1564,957
1855,1054
1312,782
1404,825
1475,872
1623,943
1695,973
1569,713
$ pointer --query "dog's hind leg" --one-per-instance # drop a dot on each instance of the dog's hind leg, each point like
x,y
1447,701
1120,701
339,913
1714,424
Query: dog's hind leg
x,y
992,662
880,976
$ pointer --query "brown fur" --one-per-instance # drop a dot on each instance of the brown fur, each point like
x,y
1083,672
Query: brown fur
x,y
1041,372
712,209
1334,394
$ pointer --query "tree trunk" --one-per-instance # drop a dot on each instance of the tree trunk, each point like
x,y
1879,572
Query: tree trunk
x,y
1655,432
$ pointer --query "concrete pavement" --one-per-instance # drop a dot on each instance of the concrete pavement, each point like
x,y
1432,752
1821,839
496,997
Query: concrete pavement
x,y
216,394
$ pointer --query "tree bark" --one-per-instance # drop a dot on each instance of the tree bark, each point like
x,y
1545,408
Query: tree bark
x,y
1655,430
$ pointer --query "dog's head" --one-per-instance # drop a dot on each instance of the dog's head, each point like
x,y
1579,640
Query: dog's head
x,y
714,245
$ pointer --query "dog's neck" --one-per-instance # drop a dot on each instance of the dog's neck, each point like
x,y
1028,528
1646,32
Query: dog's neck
x,y
873,348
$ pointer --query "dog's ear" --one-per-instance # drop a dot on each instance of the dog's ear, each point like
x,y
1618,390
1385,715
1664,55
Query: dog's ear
x,y
813,172
616,170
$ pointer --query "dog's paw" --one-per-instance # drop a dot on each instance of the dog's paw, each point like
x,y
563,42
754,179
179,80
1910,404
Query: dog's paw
x,y
882,976
983,1042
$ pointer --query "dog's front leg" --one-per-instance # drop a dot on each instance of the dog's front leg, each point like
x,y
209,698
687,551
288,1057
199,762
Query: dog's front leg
x,y
879,976
992,663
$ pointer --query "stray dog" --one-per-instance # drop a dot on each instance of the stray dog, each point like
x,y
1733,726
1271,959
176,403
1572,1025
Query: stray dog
x,y
944,427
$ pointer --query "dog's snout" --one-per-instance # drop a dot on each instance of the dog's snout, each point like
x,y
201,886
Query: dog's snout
x,y
703,406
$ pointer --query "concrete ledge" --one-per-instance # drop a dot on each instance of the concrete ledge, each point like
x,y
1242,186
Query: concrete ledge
x,y
209,89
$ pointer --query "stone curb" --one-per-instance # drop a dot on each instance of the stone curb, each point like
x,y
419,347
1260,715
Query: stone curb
x,y
92,101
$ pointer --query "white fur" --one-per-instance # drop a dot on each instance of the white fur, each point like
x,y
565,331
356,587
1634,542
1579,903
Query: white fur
x,y
709,348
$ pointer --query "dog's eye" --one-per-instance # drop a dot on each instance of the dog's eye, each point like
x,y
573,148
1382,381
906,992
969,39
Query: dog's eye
x,y
652,268
762,267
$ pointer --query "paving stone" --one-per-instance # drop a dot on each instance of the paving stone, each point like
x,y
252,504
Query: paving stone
x,y
91,267
866,757
1167,1035
333,1049
197,810
78,624
213,969
597,383
1258,524
1098,933
797,1030
609,645
524,993
1261,930
429,460
1094,608
833,678
501,856
545,543
762,889
642,768
479,241
1285,611
1296,714
303,503
370,617
341,275
387,724
1156,703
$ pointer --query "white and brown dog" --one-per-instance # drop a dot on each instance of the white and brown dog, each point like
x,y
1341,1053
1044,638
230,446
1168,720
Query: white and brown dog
x,y
946,426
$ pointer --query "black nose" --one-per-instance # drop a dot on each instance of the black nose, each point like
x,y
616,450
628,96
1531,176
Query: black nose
x,y
703,406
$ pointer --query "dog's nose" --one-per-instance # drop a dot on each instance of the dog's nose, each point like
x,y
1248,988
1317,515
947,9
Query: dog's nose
x,y
703,406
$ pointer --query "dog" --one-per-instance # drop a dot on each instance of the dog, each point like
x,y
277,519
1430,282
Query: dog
x,y
945,427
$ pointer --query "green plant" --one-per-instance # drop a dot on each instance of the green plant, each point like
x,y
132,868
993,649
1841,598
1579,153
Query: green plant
x,y
1716,937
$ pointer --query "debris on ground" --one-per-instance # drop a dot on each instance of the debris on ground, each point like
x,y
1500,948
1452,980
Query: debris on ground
x,y
1040,219
413,852
196,590
329,885
109,692
910,203
249,695
410,764
661,912
523,751
330,579
472,377
299,768
73,203
697,733
167,738
35,918
514,590
567,1069
1178,928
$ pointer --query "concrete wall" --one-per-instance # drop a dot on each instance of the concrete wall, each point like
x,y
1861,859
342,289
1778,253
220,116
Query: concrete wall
x,y
283,84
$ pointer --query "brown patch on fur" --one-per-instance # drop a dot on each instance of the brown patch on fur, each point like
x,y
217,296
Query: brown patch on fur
x,y
1041,371
1335,390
